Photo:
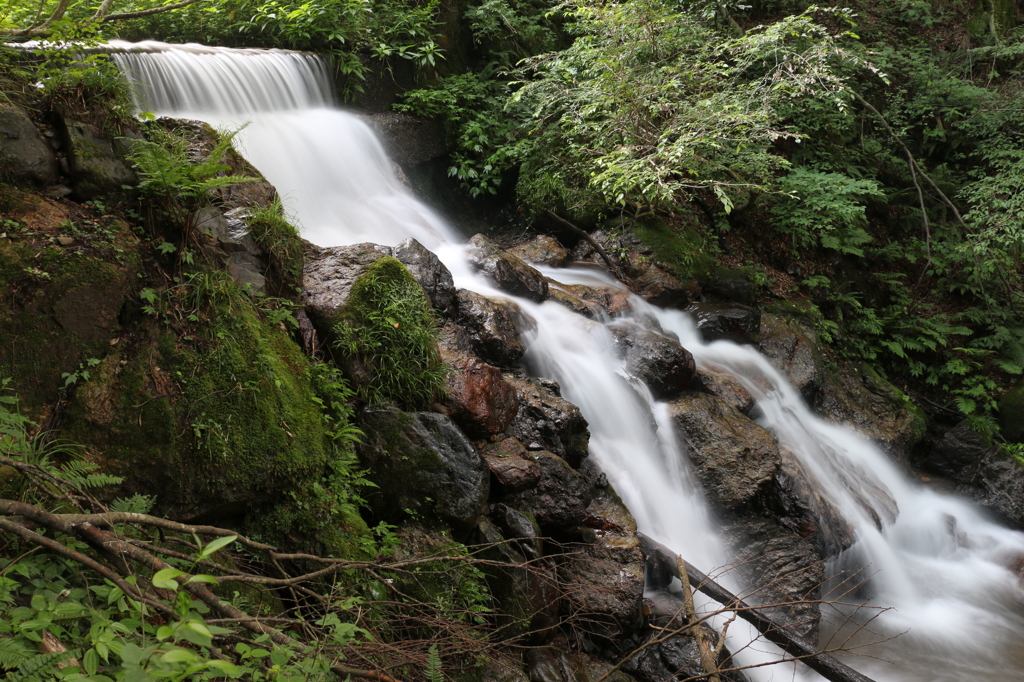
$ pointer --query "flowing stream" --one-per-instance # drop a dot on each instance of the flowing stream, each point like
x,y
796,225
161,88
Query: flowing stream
x,y
944,572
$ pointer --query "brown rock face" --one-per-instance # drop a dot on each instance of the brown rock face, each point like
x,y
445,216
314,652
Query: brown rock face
x,y
792,348
480,401
559,499
662,289
512,467
492,327
721,385
734,458
546,421
541,250
505,271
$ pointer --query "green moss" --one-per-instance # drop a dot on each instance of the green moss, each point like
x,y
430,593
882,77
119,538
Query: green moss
x,y
279,239
1011,414
683,250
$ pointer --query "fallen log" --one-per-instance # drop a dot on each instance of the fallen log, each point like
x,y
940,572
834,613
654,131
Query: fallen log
x,y
820,662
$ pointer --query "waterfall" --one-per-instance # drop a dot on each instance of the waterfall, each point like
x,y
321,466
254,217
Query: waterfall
x,y
957,607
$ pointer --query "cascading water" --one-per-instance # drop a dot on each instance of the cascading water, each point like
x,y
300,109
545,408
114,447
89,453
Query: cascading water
x,y
957,606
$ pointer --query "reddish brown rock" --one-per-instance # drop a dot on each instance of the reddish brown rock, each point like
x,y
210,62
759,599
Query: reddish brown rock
x,y
513,468
541,250
480,401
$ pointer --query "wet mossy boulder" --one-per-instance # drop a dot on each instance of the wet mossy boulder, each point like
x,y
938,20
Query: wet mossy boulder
x,y
1011,414
423,466
96,162
25,157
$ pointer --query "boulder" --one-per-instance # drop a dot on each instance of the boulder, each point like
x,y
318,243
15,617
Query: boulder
x,y
959,452
730,284
735,459
233,245
513,468
328,275
559,499
422,463
559,294
779,567
546,421
408,140
541,250
800,508
479,400
505,271
732,321
721,385
521,526
25,157
855,395
611,299
1011,414
428,270
791,345
664,657
660,362
96,163
605,575
662,289
492,327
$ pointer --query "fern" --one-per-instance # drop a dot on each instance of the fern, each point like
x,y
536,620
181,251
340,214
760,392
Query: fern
x,y
82,474
13,653
38,667
433,669
136,504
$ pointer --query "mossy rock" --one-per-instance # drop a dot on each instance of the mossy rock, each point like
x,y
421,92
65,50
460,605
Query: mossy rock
x,y
682,250
1011,414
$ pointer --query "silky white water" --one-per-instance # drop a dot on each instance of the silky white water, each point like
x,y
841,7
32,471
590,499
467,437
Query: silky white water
x,y
957,607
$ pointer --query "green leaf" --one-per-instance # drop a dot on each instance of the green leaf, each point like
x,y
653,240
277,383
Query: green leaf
x,y
165,579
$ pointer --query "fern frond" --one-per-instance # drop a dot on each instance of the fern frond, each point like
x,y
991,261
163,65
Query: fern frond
x,y
13,653
39,666
136,504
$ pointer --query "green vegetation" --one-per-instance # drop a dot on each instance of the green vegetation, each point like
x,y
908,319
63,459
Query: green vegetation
x,y
387,334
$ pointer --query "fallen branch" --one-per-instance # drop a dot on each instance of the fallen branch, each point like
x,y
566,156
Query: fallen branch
x,y
597,247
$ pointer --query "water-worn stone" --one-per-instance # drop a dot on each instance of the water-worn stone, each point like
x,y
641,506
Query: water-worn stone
x,y
662,289
611,299
606,574
559,499
24,155
479,400
733,321
328,275
791,346
779,567
95,163
541,250
420,461
493,327
512,467
558,293
505,271
734,458
801,508
722,385
856,396
675,657
428,270
546,421
408,140
660,362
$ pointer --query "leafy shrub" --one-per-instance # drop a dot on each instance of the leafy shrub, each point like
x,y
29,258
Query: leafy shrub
x,y
389,336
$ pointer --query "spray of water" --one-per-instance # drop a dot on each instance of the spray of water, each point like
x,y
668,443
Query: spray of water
x,y
945,569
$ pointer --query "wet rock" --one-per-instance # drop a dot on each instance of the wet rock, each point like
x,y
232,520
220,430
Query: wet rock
x,y
554,664
801,508
722,385
605,574
95,163
25,157
420,461
546,421
328,275
479,400
408,140
730,284
733,321
791,345
428,270
513,468
734,458
541,250
559,499
492,327
673,658
233,245
660,362
857,396
520,525
611,299
779,567
960,449
505,271
1011,414
662,289
558,293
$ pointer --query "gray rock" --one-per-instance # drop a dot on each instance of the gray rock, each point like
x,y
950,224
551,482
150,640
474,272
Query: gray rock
x,y
733,321
492,327
428,270
801,508
408,140
421,462
734,458
660,362
662,289
722,385
233,245
25,157
559,499
328,275
546,421
959,451
730,284
505,271
541,250
779,567
791,346
96,163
